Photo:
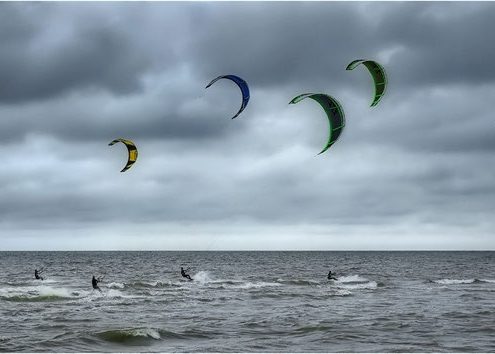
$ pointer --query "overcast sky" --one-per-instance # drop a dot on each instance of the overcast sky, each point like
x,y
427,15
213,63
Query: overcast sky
x,y
415,172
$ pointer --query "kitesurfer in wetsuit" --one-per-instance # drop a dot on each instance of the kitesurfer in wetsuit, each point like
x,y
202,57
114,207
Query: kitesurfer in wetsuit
x,y
37,274
330,276
95,282
184,274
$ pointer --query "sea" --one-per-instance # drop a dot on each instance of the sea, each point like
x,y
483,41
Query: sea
x,y
248,302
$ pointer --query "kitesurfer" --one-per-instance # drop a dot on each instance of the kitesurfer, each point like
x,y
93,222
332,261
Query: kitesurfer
x,y
184,274
37,274
330,276
95,282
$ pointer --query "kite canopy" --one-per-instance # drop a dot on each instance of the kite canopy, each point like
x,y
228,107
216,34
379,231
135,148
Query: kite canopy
x,y
242,85
377,73
131,148
334,111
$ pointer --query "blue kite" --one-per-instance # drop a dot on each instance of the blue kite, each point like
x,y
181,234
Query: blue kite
x,y
242,85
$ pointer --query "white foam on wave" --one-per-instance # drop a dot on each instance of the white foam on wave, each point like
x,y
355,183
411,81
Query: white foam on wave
x,y
157,283
114,293
256,285
45,281
49,291
352,279
300,282
454,281
87,296
123,335
9,291
354,282
145,332
116,285
488,280
202,277
153,284
35,291
342,292
355,286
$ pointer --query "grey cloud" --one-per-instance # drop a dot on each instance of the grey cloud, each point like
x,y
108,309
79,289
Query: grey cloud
x,y
41,63
190,114
436,120
300,43
440,43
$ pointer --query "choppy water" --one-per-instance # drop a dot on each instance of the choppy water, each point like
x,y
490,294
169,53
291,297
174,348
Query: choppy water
x,y
249,302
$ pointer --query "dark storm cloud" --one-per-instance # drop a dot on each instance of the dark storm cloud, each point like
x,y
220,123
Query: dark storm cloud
x,y
277,44
43,55
183,113
272,44
455,119
302,46
429,43
440,43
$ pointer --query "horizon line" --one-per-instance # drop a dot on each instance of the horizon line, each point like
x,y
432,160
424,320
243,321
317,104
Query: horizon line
x,y
258,250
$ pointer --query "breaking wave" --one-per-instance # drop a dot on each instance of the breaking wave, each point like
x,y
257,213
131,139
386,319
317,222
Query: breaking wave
x,y
35,294
354,282
202,277
146,336
487,280
256,285
130,336
352,279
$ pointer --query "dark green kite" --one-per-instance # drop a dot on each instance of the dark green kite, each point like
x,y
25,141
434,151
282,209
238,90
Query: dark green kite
x,y
334,111
378,75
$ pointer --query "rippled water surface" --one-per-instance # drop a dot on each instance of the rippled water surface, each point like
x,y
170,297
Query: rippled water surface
x,y
249,302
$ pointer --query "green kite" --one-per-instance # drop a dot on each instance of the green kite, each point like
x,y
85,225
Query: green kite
x,y
377,73
334,111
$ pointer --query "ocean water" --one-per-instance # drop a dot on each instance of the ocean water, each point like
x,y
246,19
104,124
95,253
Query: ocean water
x,y
248,302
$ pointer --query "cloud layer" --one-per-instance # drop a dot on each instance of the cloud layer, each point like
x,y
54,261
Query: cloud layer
x,y
415,172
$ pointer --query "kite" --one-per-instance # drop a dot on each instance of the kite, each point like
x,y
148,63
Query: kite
x,y
242,85
133,153
378,75
334,111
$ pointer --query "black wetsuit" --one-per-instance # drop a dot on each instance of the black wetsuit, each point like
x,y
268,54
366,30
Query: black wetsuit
x,y
184,274
37,275
94,282
330,276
